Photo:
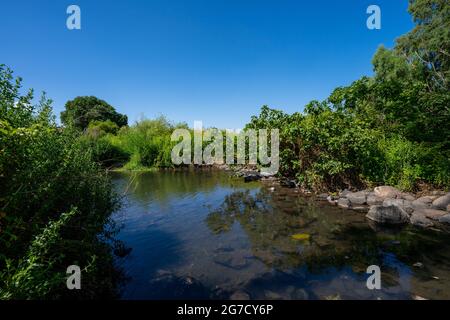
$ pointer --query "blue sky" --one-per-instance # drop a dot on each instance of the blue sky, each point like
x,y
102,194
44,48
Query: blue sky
x,y
210,60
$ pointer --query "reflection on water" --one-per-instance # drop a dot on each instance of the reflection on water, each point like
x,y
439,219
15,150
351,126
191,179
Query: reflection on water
x,y
199,235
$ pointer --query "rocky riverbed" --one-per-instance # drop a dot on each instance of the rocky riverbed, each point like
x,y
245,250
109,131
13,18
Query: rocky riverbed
x,y
384,204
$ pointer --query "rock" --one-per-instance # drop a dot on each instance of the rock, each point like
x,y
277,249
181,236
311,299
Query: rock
x,y
240,295
438,193
344,193
418,265
236,261
406,196
300,294
373,199
423,202
288,183
360,208
251,176
448,208
430,213
404,204
357,197
331,200
441,203
420,221
266,175
416,297
270,295
387,192
445,219
388,214
344,203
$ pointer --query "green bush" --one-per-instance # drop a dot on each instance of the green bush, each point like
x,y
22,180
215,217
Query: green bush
x,y
46,171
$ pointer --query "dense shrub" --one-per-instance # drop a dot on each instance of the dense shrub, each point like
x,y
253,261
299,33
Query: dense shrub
x,y
55,204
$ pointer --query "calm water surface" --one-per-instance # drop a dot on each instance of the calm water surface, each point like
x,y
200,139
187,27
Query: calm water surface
x,y
206,235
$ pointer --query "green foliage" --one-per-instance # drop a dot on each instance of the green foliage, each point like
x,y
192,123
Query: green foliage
x,y
44,172
392,128
148,143
81,111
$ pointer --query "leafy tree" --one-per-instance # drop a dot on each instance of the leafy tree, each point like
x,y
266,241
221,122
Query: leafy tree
x,y
429,42
83,110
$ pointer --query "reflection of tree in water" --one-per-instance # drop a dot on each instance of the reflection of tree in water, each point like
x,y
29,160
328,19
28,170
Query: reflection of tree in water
x,y
337,238
162,185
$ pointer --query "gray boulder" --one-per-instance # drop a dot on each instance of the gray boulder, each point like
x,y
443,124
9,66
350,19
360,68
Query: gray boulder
x,y
423,202
404,204
406,196
445,219
430,213
373,199
419,220
388,214
359,197
441,203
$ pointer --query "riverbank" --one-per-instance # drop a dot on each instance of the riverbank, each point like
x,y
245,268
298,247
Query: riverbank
x,y
385,205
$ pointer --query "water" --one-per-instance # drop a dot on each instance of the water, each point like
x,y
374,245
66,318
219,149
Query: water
x,y
206,235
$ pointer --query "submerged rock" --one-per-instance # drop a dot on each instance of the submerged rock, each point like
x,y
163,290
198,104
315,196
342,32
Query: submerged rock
x,y
240,295
388,214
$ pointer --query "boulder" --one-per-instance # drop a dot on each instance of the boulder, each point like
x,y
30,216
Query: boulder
x,y
448,208
404,204
373,199
387,192
421,221
445,219
430,213
423,202
388,214
441,203
406,196
344,203
357,197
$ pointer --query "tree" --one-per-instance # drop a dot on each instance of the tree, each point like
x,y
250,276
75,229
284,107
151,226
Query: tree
x,y
429,42
82,110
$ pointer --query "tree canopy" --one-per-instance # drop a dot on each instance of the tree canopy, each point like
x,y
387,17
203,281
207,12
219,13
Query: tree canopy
x,y
81,111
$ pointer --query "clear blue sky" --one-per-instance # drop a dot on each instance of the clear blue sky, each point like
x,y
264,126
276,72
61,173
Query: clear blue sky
x,y
217,61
